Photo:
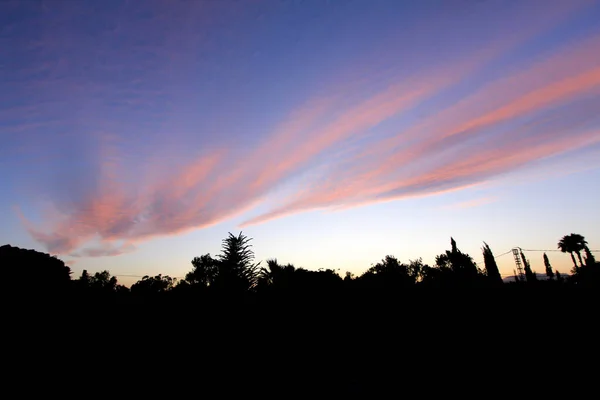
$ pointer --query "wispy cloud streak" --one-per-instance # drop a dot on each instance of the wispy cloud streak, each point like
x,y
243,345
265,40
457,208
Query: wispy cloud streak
x,y
469,145
351,145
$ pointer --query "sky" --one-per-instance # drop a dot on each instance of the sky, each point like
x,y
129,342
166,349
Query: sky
x,y
136,134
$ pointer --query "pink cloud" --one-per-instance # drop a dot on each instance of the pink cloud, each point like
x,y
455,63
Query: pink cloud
x,y
378,173
208,190
560,91
463,173
557,79
105,249
422,160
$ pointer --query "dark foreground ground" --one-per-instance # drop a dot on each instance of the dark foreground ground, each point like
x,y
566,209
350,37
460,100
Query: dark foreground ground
x,y
349,341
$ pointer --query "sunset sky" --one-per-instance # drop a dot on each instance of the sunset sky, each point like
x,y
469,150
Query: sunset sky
x,y
136,134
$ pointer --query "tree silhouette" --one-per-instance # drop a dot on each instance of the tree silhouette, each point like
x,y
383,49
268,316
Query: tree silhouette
x,y
559,277
549,272
573,243
324,281
389,273
103,282
85,279
452,267
276,276
216,280
39,272
588,274
589,257
415,269
460,263
491,267
204,272
530,276
236,267
153,285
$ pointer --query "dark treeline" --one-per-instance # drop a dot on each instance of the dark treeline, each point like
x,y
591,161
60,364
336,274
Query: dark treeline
x,y
234,274
231,315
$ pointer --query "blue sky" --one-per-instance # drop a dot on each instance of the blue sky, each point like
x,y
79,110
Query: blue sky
x,y
136,134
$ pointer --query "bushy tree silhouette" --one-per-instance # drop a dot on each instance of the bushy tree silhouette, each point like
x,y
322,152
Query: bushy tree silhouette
x,y
100,283
453,268
204,273
276,276
324,281
388,274
153,285
36,271
415,269
85,279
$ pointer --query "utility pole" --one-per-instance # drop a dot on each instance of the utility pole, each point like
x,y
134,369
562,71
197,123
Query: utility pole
x,y
517,256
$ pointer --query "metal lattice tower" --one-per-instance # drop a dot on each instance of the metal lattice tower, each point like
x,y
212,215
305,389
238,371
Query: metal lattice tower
x,y
517,256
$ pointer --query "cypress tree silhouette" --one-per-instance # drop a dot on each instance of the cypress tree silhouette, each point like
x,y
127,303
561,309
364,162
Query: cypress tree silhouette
x,y
589,257
549,272
490,264
530,276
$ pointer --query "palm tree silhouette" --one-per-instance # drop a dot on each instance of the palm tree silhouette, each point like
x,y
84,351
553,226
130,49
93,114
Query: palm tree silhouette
x,y
573,243
276,275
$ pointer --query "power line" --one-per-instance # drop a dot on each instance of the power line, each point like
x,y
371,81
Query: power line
x,y
503,254
535,250
591,251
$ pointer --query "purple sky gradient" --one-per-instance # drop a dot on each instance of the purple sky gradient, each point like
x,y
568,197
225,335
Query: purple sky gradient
x,y
136,134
